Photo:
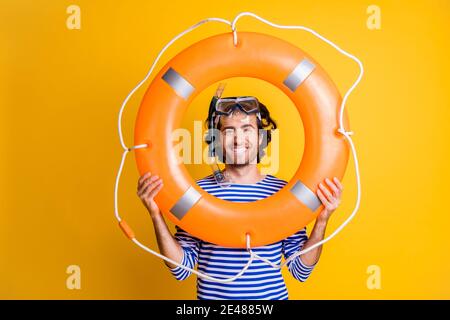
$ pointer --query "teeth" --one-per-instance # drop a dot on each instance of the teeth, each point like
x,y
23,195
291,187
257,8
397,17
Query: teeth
x,y
240,150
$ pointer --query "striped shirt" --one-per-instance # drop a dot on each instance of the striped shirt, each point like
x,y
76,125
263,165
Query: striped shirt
x,y
260,281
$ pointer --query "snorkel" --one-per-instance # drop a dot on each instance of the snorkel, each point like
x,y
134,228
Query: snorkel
x,y
220,177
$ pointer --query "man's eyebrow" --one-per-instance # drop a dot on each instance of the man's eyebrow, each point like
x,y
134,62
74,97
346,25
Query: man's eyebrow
x,y
227,127
232,127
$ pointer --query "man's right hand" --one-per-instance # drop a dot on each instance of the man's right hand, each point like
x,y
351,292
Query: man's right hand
x,y
148,187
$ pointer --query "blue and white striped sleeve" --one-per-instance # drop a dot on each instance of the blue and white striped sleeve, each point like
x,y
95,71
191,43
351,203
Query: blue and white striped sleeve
x,y
190,246
291,245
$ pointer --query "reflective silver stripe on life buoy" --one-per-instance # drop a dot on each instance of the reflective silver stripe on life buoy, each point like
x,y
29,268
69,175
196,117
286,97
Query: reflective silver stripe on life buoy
x,y
299,74
306,196
178,83
185,203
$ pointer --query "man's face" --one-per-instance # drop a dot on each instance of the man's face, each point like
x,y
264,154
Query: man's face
x,y
239,138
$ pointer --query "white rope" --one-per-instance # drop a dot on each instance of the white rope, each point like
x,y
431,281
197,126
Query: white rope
x,y
198,273
341,130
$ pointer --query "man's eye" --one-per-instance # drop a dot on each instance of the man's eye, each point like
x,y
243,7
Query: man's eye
x,y
228,131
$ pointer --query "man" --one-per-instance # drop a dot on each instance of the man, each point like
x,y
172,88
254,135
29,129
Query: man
x,y
243,125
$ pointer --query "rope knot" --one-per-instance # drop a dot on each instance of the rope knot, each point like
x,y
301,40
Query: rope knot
x,y
342,131
139,146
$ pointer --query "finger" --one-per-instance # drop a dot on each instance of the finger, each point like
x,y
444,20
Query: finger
x,y
154,186
323,199
148,184
149,180
326,192
143,177
156,190
338,183
144,185
333,187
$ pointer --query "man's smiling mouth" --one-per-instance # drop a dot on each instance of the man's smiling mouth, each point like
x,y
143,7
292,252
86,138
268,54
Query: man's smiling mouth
x,y
239,150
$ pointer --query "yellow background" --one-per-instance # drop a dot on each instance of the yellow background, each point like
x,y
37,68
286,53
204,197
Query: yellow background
x,y
61,91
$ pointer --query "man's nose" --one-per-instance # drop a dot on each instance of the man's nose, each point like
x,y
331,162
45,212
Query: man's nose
x,y
239,138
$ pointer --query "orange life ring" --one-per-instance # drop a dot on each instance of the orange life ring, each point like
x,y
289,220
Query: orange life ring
x,y
211,60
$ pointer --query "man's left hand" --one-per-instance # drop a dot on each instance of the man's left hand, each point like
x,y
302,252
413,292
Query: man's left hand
x,y
330,200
